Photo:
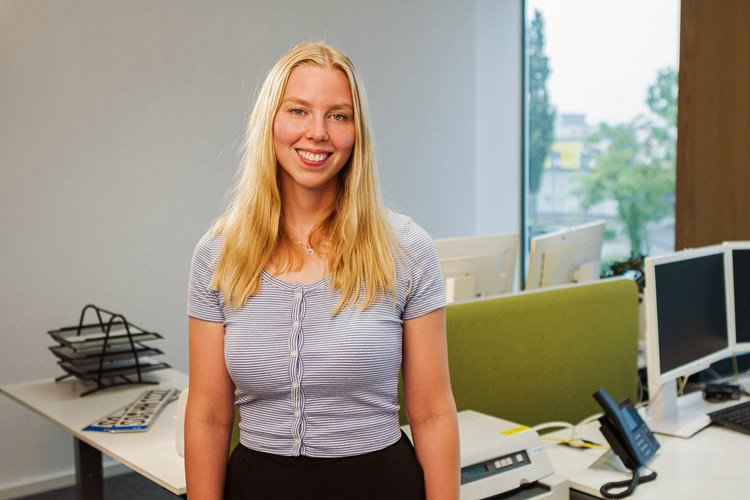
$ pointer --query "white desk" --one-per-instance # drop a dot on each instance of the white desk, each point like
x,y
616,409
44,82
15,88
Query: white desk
x,y
151,453
710,465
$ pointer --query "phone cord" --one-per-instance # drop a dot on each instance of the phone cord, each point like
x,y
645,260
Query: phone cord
x,y
630,485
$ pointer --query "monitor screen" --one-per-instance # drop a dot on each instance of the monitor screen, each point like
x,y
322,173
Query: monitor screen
x,y
691,310
688,328
478,266
741,288
570,255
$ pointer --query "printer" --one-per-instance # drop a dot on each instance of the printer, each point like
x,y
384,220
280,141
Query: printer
x,y
499,457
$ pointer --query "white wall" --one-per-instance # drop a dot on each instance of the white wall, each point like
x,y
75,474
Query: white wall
x,y
118,130
498,116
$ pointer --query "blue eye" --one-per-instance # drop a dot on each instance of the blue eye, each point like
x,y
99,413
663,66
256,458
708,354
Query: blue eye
x,y
339,117
296,111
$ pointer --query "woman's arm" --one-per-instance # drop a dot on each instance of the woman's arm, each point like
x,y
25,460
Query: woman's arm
x,y
210,412
430,405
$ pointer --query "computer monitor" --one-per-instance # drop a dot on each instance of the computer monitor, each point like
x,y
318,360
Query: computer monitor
x,y
569,255
738,293
687,330
478,266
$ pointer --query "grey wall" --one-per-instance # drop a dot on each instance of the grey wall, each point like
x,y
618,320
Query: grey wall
x,y
498,116
119,124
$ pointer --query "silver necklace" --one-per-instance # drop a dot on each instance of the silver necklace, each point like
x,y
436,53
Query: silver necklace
x,y
308,250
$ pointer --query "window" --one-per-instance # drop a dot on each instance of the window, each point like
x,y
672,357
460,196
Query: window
x,y
601,120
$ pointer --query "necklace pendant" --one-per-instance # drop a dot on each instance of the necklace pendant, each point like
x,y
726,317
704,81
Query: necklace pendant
x,y
308,250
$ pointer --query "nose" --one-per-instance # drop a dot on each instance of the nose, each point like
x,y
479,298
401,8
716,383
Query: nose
x,y
317,130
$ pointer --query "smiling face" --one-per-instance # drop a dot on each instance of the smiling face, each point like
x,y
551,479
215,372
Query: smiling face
x,y
313,131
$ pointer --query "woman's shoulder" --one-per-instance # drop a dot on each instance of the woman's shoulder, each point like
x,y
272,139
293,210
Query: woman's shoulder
x,y
407,232
208,245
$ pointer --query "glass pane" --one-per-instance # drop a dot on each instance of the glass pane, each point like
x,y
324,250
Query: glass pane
x,y
602,120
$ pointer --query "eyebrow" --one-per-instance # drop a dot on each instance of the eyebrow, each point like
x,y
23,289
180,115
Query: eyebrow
x,y
303,102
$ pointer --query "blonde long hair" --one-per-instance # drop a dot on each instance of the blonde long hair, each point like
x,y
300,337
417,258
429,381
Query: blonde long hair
x,y
360,247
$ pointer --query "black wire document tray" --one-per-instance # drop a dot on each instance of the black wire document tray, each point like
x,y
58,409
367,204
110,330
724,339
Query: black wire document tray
x,y
93,336
107,352
114,353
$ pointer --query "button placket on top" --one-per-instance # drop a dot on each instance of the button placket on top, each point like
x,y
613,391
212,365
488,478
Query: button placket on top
x,y
296,338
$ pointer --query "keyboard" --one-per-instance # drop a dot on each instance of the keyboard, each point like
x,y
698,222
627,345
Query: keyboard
x,y
735,417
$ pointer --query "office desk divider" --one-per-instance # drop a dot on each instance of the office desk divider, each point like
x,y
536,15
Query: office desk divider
x,y
108,352
537,356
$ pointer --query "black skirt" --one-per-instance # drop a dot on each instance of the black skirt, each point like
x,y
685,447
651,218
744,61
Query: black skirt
x,y
392,473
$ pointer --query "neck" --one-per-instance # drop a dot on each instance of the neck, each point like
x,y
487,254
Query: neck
x,y
299,225
301,212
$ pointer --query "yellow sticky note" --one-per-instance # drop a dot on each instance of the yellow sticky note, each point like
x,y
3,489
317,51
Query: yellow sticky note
x,y
514,430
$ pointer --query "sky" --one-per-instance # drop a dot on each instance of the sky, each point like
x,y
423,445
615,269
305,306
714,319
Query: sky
x,y
604,54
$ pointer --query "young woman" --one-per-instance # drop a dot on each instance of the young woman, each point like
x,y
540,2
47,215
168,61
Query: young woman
x,y
305,300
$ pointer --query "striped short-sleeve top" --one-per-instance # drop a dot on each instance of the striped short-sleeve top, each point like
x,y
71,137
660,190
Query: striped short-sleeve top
x,y
308,383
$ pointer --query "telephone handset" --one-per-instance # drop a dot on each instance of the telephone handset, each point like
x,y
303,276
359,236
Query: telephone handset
x,y
630,439
625,431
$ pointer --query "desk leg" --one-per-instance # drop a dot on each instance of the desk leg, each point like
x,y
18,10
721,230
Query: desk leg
x,y
89,483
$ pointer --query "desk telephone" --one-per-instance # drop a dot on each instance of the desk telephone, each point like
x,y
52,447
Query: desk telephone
x,y
630,438
625,431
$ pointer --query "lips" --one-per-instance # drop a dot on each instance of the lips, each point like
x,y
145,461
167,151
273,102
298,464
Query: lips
x,y
311,157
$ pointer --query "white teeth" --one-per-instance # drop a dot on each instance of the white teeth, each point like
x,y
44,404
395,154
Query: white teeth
x,y
312,156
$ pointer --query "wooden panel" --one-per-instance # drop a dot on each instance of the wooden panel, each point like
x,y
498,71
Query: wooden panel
x,y
713,145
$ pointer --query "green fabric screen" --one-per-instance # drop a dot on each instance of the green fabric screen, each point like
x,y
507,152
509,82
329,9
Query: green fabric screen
x,y
538,356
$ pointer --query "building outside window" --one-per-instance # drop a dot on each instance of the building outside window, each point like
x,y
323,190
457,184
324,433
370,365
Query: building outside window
x,y
601,120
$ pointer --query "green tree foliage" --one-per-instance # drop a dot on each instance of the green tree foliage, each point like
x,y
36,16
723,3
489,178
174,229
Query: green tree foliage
x,y
541,112
634,163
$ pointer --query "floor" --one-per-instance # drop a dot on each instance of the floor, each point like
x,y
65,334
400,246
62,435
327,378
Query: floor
x,y
129,486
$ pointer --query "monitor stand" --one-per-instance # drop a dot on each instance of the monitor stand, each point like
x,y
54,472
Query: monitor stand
x,y
588,271
673,416
459,288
